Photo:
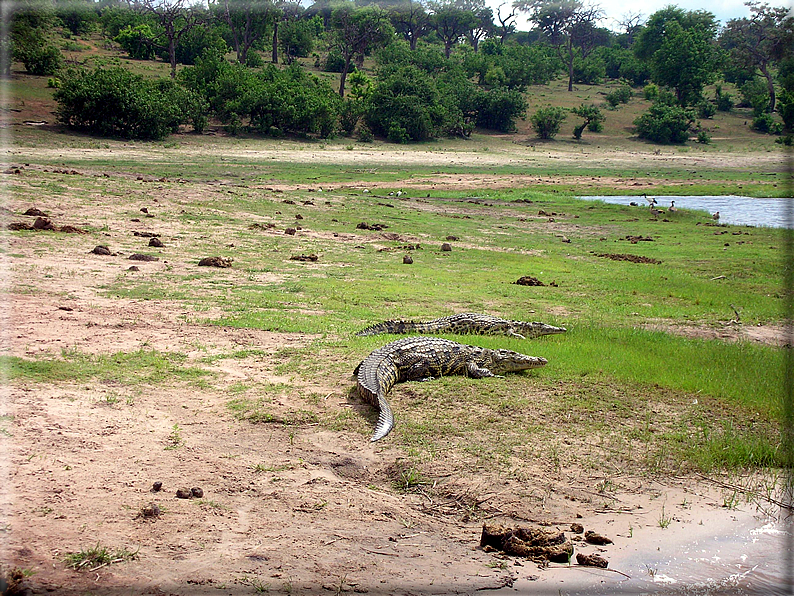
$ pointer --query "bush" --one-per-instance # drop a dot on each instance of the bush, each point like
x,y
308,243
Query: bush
x,y
334,62
137,41
42,60
755,94
254,59
788,140
785,107
724,100
405,105
196,41
650,91
546,121
703,137
498,109
590,71
593,117
766,123
114,102
618,96
706,109
349,116
665,124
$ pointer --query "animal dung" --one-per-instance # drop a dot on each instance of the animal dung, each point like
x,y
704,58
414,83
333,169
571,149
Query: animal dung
x,y
592,560
407,260
446,247
215,262
101,249
308,258
140,257
528,280
533,543
156,242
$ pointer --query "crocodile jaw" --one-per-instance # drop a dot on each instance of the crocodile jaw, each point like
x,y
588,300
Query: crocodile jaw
x,y
509,361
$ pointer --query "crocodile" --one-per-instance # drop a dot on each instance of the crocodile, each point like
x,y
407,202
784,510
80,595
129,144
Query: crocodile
x,y
466,323
422,358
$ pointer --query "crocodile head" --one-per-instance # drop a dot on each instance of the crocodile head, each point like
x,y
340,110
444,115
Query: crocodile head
x,y
535,329
508,361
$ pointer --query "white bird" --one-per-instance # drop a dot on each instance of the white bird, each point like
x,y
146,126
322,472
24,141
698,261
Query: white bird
x,y
391,194
366,191
399,193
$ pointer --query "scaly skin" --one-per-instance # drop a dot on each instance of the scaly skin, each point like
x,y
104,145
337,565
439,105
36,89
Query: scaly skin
x,y
422,358
466,323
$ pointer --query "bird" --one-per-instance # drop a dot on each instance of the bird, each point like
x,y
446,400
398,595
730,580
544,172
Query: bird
x,y
651,200
366,191
672,208
399,193
716,216
634,204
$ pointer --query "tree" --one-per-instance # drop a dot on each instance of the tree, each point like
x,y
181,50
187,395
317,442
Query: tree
x,y
651,37
248,21
176,19
685,61
592,116
569,25
631,24
507,23
758,42
451,23
356,32
296,37
410,20
32,22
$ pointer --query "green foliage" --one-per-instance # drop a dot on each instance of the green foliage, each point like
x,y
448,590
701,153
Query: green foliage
x,y
405,105
686,61
498,109
296,38
621,63
703,137
274,101
138,41
664,123
41,59
114,102
706,109
197,40
650,91
592,116
785,107
514,67
723,99
589,71
765,122
253,59
547,121
755,94
618,96
79,17
114,19
334,61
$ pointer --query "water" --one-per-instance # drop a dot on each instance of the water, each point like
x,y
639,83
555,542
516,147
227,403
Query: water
x,y
735,210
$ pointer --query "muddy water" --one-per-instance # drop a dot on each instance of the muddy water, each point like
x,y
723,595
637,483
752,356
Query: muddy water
x,y
739,555
735,210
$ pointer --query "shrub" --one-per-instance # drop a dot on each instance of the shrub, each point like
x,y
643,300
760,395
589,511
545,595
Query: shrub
x,y
405,104
546,121
349,116
703,137
785,107
254,59
137,41
114,102
788,140
590,71
706,109
197,40
593,117
41,60
664,123
365,134
650,91
724,100
334,62
755,94
618,96
766,123
498,109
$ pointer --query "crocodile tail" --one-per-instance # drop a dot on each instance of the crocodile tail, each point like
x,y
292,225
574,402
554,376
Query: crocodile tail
x,y
389,327
385,420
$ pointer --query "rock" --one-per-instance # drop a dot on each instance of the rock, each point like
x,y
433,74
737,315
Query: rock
x,y
407,260
215,262
593,560
157,486
156,242
101,249
596,538
197,492
312,258
577,528
184,493
446,247
140,257
290,231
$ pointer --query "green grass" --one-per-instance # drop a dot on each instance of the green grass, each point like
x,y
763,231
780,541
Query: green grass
x,y
97,556
139,367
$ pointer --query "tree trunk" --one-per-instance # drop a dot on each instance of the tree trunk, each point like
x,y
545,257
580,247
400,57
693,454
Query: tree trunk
x,y
570,69
770,83
275,42
343,78
172,55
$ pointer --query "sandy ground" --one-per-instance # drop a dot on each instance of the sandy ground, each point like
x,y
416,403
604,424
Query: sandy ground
x,y
294,509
